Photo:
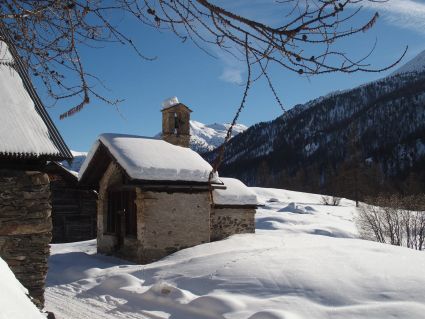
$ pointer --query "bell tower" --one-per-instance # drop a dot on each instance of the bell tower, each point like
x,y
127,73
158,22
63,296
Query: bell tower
x,y
175,122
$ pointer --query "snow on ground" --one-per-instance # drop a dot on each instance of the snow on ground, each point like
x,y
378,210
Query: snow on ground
x,y
14,302
303,262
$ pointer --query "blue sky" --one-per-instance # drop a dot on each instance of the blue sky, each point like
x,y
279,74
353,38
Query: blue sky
x,y
207,85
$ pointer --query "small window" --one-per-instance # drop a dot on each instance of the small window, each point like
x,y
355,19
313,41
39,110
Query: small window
x,y
122,213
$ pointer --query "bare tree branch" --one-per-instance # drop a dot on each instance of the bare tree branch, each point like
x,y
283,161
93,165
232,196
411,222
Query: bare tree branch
x,y
49,35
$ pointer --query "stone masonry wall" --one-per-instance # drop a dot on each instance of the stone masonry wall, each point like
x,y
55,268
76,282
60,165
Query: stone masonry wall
x,y
179,140
25,227
172,221
166,222
230,221
182,138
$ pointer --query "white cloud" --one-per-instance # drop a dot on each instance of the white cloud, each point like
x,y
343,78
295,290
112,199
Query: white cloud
x,y
262,10
233,69
232,75
409,14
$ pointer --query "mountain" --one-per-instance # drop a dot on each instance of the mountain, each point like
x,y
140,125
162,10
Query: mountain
x,y
417,64
205,137
373,134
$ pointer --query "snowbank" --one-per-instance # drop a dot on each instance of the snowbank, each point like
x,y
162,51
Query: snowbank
x,y
14,303
297,265
236,193
146,158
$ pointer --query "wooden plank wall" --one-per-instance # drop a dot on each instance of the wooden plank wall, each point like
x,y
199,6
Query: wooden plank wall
x,y
73,211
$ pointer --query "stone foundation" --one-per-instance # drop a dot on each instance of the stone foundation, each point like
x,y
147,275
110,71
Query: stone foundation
x,y
25,227
230,221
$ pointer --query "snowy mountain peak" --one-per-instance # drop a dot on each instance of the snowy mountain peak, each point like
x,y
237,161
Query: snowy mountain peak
x,y
206,137
417,64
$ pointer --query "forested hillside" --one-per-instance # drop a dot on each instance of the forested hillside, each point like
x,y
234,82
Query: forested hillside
x,y
351,143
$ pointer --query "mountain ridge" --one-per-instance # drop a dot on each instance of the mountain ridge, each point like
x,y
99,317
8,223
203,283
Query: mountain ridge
x,y
307,147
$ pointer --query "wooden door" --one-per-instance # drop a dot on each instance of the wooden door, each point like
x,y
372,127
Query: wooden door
x,y
122,214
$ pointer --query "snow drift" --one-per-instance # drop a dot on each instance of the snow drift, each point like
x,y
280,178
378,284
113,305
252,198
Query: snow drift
x,y
305,261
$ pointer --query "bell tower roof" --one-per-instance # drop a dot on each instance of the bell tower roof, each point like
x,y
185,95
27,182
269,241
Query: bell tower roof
x,y
171,103
176,106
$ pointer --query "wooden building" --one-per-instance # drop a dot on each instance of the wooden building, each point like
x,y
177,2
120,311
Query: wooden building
x,y
28,139
73,207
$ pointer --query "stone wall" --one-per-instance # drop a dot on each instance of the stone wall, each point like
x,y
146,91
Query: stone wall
x,y
230,221
181,137
166,222
172,221
25,227
179,140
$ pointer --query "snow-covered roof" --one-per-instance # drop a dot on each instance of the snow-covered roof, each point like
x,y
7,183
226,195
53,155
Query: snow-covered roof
x,y
25,129
236,193
170,102
149,159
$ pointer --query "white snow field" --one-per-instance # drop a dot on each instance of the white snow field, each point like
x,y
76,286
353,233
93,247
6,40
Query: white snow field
x,y
305,261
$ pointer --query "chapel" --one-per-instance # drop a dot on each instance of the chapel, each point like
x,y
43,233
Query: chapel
x,y
156,196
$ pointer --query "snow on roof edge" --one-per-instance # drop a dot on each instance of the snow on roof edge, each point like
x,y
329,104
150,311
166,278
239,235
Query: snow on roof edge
x,y
40,123
235,194
88,159
183,173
